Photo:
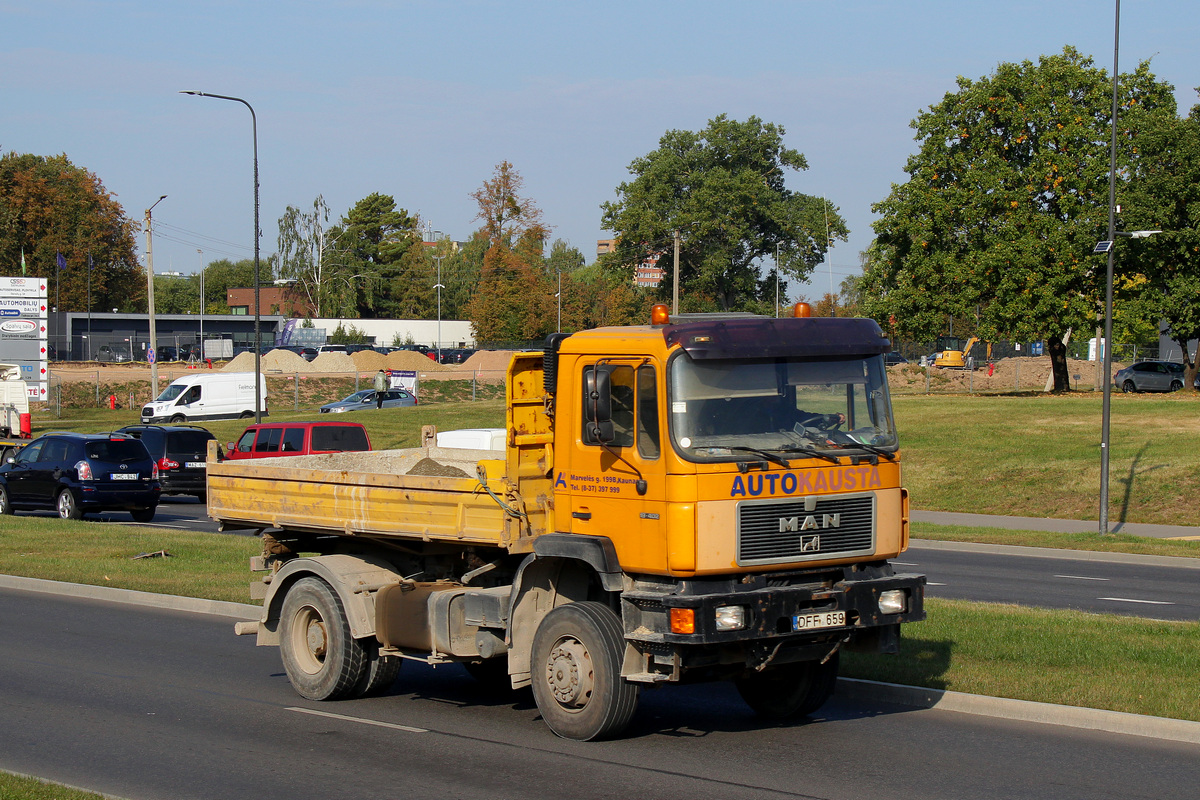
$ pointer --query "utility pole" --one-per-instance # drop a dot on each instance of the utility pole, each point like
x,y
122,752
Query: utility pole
x,y
150,303
201,252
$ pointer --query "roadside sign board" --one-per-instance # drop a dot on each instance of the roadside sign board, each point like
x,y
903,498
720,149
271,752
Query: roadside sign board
x,y
23,331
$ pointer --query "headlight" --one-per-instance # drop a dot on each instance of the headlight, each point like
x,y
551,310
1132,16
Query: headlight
x,y
731,618
893,601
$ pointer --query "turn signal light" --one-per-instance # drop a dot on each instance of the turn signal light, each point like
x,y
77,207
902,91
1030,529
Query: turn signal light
x,y
660,314
683,620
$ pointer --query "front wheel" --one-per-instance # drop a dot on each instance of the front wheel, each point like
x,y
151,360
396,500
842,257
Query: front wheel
x,y
178,418
67,506
321,658
1128,387
1176,386
789,690
5,506
576,668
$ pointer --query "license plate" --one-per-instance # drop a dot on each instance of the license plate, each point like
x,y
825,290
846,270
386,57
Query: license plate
x,y
195,465
823,619
124,476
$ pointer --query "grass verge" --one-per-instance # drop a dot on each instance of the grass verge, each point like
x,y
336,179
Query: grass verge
x,y
1072,658
1092,542
19,787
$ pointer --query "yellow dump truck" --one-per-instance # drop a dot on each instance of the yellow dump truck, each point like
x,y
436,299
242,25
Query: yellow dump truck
x,y
702,498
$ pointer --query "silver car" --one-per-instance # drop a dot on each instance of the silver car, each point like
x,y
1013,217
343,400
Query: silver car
x,y
1150,376
360,401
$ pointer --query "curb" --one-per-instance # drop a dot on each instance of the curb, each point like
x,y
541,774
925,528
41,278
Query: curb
x,y
1175,730
170,602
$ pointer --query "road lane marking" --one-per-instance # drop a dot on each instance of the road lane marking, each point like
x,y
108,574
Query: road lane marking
x,y
1132,600
1082,578
345,718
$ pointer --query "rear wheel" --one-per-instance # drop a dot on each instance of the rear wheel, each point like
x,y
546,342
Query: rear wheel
x,y
247,414
68,506
1128,387
380,673
576,668
143,514
321,658
789,690
1176,386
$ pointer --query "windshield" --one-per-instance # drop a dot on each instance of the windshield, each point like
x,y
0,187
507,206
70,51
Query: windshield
x,y
171,392
782,406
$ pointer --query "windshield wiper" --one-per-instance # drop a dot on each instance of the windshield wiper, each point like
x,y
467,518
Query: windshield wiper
x,y
769,456
870,448
811,452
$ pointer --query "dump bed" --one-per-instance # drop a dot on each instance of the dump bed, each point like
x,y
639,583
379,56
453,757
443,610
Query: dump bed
x,y
424,493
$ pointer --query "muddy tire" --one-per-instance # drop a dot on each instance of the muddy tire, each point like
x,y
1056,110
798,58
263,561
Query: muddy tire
x,y
791,690
321,658
576,672
380,672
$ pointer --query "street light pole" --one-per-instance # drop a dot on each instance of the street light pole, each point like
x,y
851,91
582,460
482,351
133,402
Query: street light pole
x,y
150,303
439,287
257,304
201,253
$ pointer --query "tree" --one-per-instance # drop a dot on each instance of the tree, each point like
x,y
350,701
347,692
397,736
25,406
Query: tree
x,y
505,214
49,206
1005,200
723,190
310,256
1164,194
384,262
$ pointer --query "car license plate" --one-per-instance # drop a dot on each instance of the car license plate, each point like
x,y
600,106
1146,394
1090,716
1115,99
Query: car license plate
x,y
195,465
823,619
124,476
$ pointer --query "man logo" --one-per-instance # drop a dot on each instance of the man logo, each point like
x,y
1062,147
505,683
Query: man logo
x,y
809,523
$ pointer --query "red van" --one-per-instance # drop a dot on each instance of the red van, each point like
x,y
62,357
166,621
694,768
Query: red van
x,y
271,439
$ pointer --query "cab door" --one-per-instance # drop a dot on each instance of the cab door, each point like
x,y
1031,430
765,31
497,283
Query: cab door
x,y
617,488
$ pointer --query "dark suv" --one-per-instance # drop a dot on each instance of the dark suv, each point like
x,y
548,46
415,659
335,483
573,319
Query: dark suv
x,y
78,473
180,452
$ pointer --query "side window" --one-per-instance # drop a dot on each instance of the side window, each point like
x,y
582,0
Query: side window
x,y
647,412
55,450
293,440
245,443
634,409
30,452
190,396
268,440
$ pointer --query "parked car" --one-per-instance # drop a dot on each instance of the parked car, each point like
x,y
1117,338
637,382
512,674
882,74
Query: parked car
x,y
891,359
332,348
365,399
80,473
268,440
1150,376
113,355
166,352
180,452
456,355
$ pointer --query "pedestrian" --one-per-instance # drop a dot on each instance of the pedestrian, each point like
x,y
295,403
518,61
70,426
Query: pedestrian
x,y
380,387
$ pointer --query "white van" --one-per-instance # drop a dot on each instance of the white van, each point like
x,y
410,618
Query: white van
x,y
213,395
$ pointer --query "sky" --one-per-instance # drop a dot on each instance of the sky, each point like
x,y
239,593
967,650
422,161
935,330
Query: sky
x,y
421,100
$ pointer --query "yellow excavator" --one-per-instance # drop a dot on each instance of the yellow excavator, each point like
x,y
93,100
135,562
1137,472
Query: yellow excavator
x,y
953,353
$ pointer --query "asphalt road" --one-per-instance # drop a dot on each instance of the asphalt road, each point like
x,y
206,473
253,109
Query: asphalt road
x,y
145,703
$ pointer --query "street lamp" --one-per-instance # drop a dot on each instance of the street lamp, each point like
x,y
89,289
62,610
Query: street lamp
x,y
150,351
257,315
439,287
201,253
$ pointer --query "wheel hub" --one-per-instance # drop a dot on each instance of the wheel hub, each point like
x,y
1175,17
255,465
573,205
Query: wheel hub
x,y
569,673
318,640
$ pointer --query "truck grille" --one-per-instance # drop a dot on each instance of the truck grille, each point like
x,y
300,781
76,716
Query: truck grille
x,y
804,529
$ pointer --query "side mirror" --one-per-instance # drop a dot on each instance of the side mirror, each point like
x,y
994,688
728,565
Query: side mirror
x,y
597,405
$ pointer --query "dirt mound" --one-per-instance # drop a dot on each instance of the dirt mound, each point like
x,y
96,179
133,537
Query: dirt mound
x,y
1024,373
369,360
488,361
244,362
412,360
283,361
333,362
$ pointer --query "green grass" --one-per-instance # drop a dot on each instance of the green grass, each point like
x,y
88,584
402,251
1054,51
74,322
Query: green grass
x,y
17,787
1071,658
1039,456
1113,543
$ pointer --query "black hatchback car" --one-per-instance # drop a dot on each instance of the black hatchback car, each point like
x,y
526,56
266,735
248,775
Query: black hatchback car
x,y
180,452
79,473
